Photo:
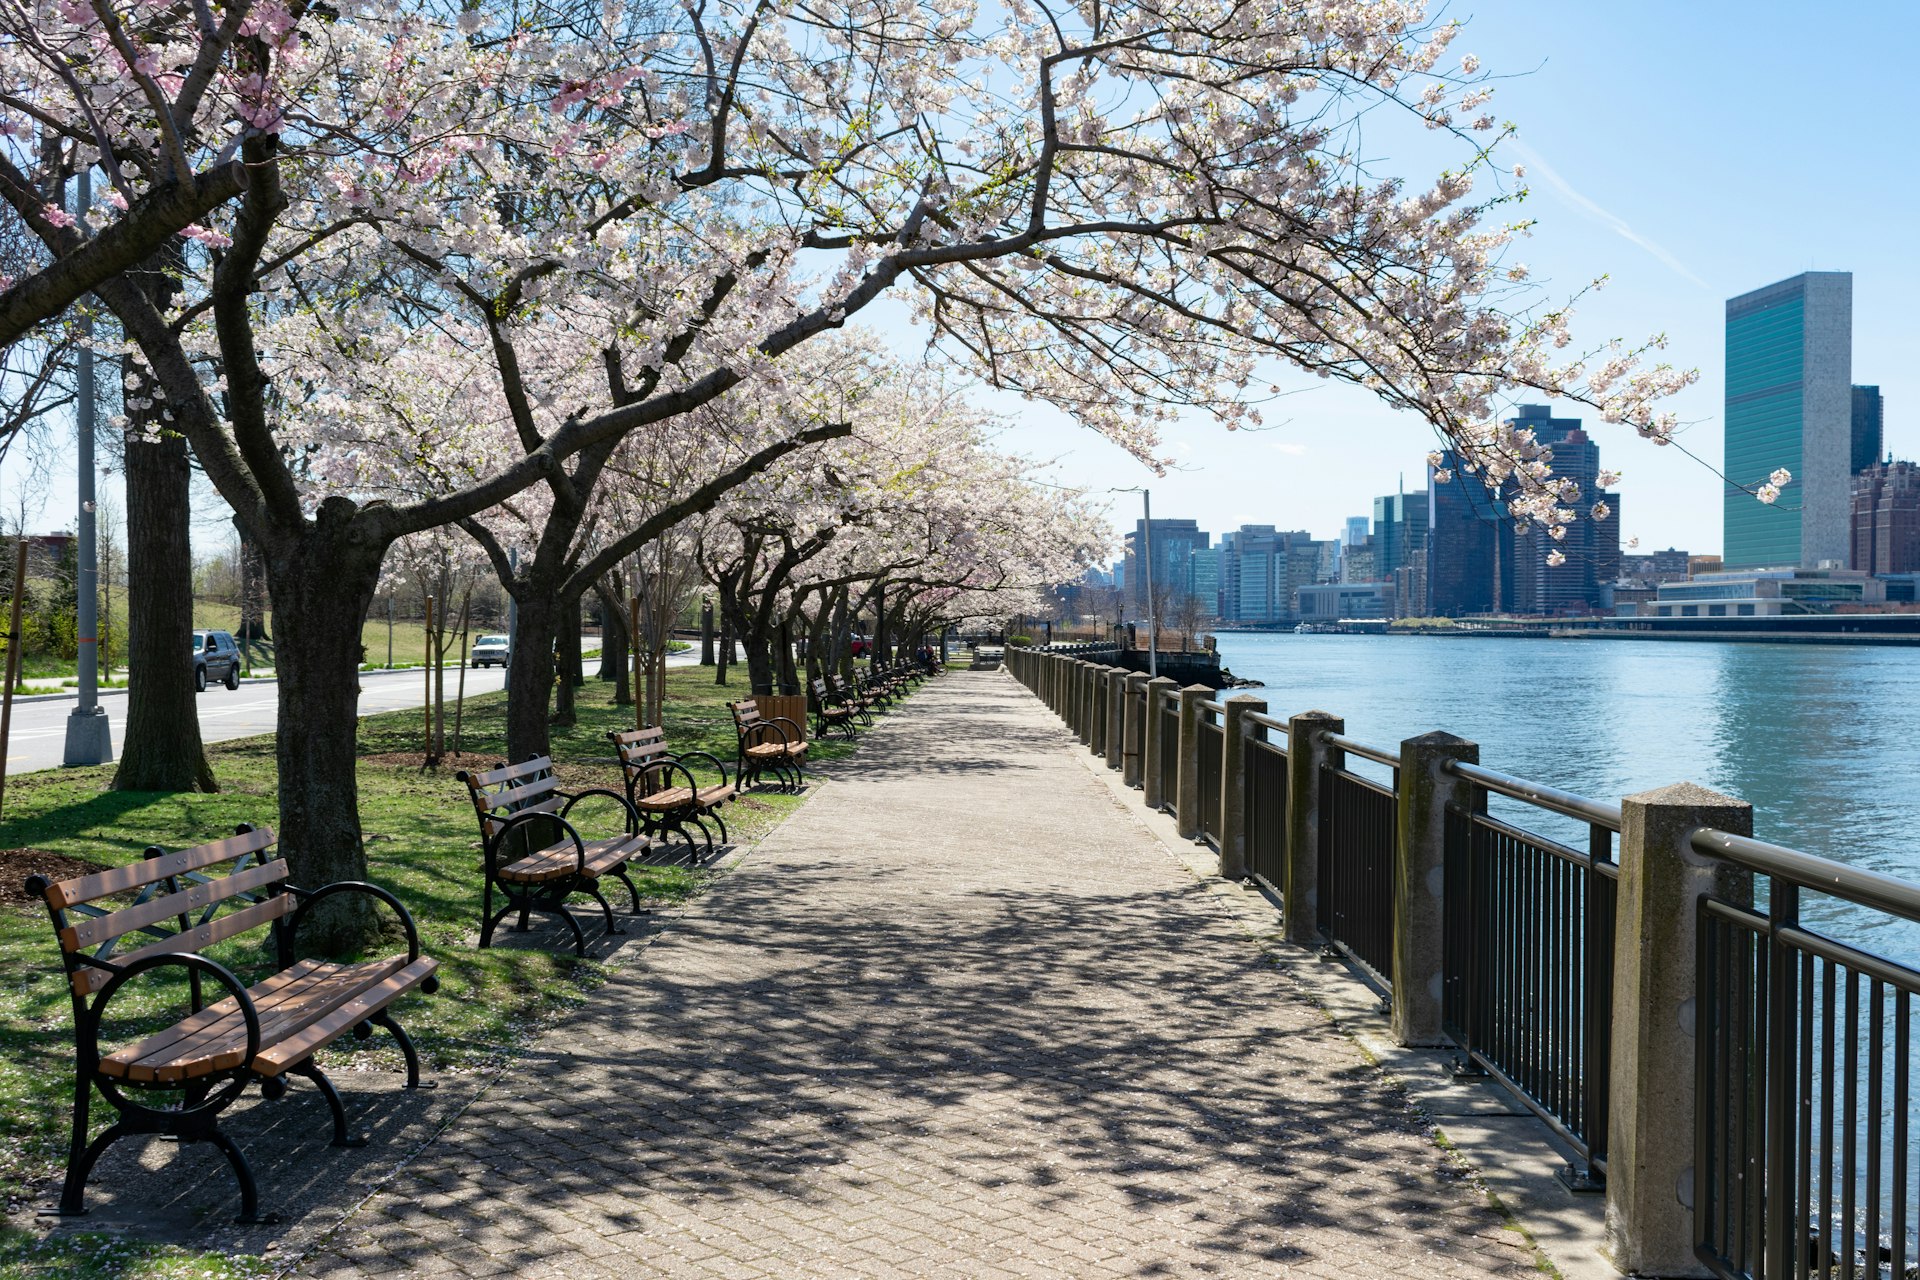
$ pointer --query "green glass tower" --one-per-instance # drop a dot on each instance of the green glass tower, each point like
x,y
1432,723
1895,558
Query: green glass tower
x,y
1790,404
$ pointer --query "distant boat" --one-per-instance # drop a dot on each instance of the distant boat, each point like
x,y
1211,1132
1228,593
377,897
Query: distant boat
x,y
1319,629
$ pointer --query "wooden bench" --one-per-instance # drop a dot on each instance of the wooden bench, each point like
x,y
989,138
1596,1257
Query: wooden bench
x,y
535,857
663,789
176,1082
833,710
768,743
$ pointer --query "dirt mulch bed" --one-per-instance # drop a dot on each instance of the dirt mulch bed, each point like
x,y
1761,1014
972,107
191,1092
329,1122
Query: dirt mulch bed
x,y
17,864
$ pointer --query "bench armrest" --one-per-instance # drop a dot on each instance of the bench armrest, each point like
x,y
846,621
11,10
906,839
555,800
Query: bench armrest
x,y
798,735
751,735
309,897
536,815
681,757
574,797
88,1028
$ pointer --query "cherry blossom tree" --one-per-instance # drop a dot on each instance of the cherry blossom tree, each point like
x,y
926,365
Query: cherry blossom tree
x,y
1122,210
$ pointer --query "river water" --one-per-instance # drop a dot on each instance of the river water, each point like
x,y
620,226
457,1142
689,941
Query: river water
x,y
1823,740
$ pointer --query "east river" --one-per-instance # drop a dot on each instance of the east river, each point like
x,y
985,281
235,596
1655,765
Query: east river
x,y
1823,740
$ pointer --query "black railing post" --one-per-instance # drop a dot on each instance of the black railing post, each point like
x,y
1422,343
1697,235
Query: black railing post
x,y
1134,718
1425,788
1306,754
1651,1157
1785,1227
1153,768
1186,803
1234,733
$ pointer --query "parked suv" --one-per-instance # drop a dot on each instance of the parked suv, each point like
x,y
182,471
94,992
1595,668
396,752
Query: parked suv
x,y
490,651
215,657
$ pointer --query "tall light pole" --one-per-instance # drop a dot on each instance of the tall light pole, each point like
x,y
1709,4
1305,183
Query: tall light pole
x,y
89,739
1153,627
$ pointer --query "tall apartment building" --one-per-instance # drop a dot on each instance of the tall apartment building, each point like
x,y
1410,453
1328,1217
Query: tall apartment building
x,y
1790,404
1203,579
1469,545
1174,541
1869,428
1399,532
1886,518
1590,551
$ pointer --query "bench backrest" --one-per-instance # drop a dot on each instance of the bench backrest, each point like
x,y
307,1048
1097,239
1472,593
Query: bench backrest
x,y
185,890
746,715
511,789
643,756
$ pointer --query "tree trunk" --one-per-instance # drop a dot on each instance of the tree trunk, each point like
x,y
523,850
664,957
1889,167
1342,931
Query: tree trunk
x,y
706,633
616,646
724,657
161,749
530,676
789,677
322,581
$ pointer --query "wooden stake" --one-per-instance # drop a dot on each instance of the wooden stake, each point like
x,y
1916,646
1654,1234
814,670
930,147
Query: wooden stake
x,y
634,647
13,658
427,672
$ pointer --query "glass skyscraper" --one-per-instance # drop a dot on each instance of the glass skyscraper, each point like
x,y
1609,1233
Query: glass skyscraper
x,y
1790,404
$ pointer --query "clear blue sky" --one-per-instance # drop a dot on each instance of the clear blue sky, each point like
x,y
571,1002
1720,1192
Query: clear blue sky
x,y
1700,149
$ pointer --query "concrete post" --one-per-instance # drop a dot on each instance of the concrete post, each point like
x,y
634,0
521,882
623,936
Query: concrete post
x,y
1300,895
1186,804
1650,1175
1116,716
1134,738
1097,711
1082,700
1154,742
1420,881
1233,784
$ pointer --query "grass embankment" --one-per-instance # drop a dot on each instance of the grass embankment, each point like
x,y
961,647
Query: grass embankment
x,y
422,843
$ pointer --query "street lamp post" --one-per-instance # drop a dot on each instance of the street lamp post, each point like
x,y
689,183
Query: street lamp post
x,y
1153,626
89,739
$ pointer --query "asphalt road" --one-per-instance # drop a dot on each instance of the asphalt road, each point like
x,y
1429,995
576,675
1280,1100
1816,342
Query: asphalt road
x,y
39,732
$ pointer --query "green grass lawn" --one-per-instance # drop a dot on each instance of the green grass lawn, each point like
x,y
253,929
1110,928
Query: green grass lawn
x,y
422,842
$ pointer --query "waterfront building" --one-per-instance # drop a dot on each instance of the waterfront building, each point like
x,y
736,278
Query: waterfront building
x,y
1469,545
1247,558
1766,593
1590,550
1671,565
1334,601
1203,579
1869,428
1789,404
1173,542
1357,564
1399,531
1886,519
1697,565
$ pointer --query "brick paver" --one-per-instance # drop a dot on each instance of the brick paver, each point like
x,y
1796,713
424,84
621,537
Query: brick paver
x,y
961,1016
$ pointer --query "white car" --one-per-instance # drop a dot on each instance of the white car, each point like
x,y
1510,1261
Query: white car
x,y
490,651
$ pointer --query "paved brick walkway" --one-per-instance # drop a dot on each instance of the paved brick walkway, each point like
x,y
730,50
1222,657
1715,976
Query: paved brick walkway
x,y
961,1016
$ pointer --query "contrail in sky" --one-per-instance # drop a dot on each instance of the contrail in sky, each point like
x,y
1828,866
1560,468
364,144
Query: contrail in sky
x,y
1619,225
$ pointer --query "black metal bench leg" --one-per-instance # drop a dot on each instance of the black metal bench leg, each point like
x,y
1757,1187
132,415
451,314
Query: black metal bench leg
x,y
720,822
249,1191
400,1037
79,1157
73,1194
606,908
559,908
341,1138
632,891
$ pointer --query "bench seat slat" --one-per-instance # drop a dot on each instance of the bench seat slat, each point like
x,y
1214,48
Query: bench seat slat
x,y
192,897
508,772
559,861
88,980
770,749
138,875
297,1048
215,1039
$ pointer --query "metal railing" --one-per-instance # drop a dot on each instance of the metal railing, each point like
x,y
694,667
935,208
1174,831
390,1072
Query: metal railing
x,y
1805,1134
1528,989
1357,821
1802,1137
1212,749
1169,714
1266,792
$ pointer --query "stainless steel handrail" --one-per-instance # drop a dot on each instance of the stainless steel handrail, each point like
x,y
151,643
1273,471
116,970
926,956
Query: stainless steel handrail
x,y
1213,707
1552,799
1856,884
1265,721
1352,747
